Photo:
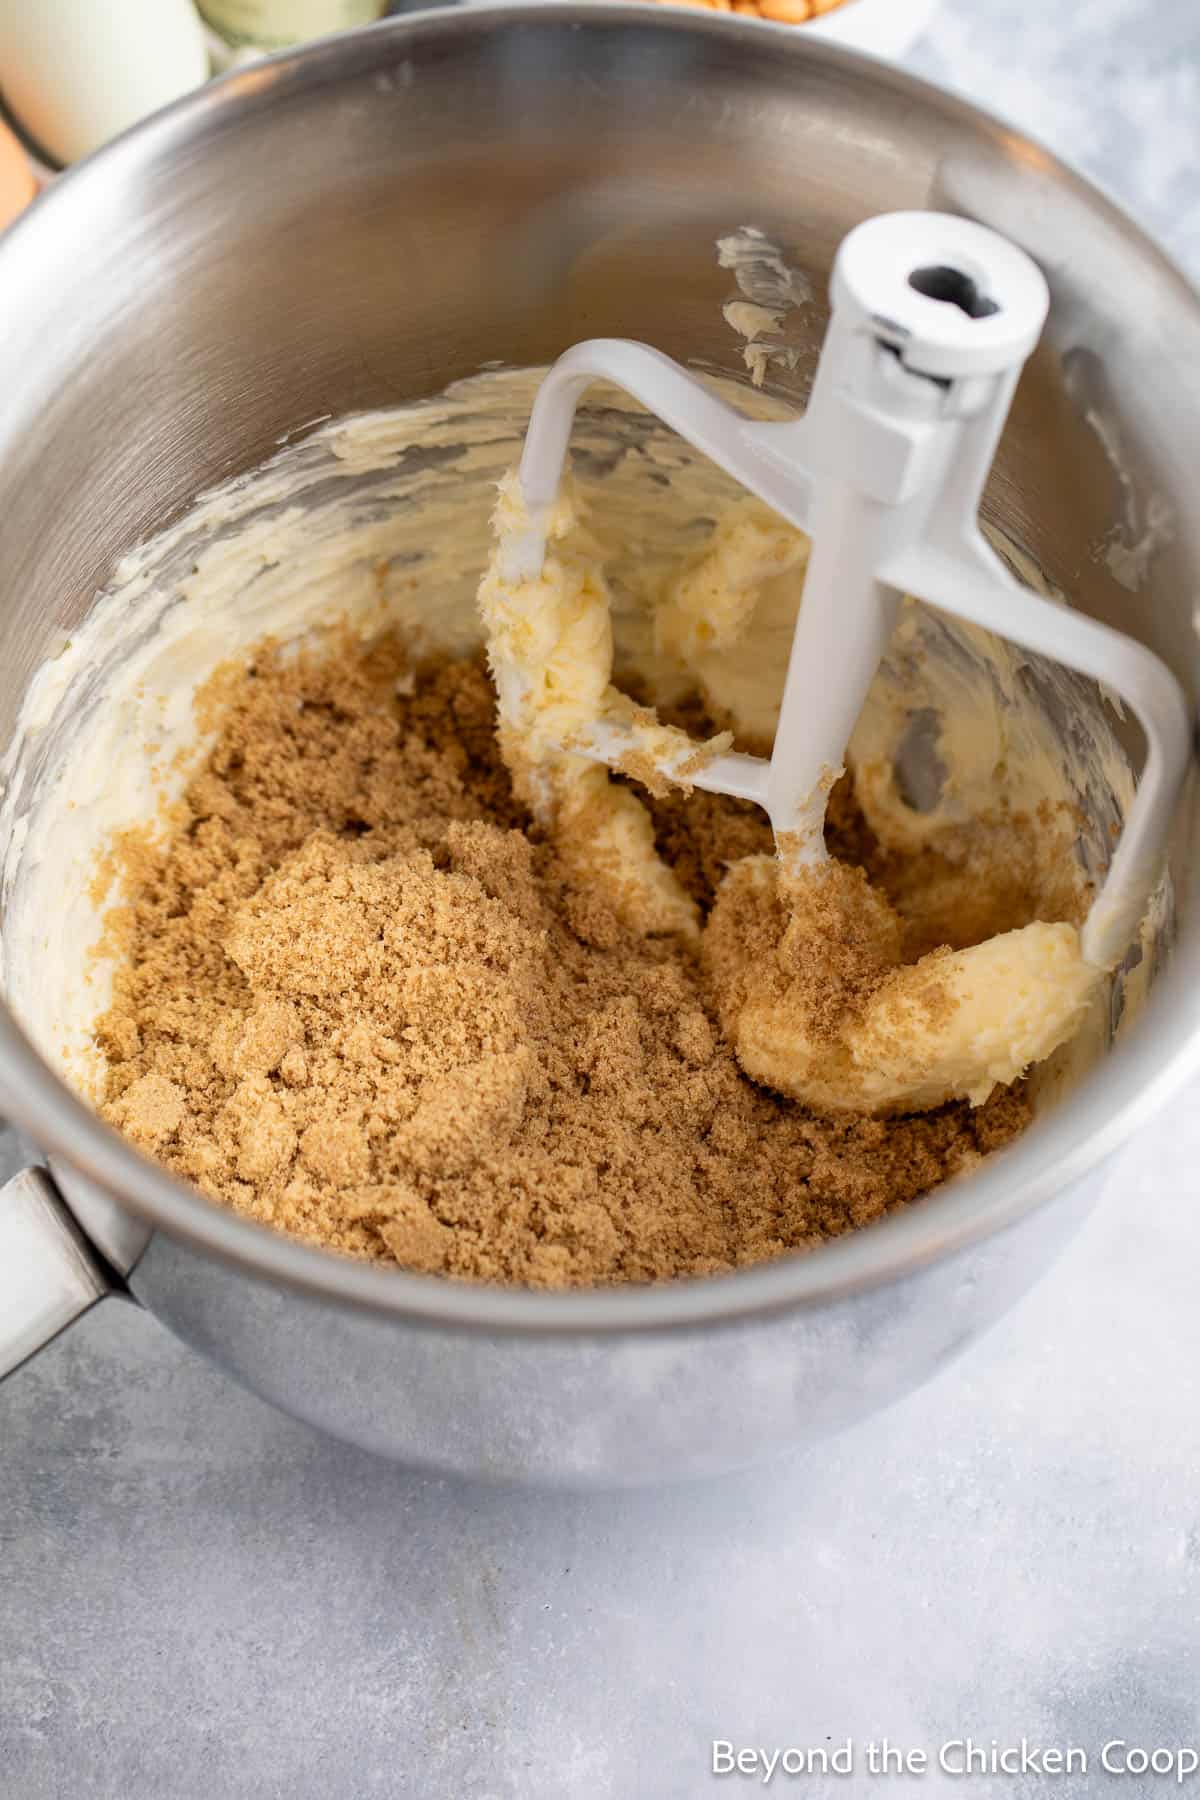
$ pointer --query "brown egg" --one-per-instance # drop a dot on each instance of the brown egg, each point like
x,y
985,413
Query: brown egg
x,y
17,182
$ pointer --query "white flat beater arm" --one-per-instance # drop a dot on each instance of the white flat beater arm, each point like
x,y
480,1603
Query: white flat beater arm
x,y
933,317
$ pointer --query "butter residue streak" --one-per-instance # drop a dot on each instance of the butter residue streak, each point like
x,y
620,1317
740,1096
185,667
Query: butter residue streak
x,y
1145,527
768,288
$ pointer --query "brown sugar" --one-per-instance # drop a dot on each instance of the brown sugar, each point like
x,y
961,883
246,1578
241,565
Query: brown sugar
x,y
825,937
360,1000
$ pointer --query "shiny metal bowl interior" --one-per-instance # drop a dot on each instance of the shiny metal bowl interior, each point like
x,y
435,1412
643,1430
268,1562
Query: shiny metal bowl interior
x,y
357,225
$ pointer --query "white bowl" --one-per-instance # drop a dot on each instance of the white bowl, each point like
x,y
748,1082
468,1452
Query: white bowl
x,y
884,27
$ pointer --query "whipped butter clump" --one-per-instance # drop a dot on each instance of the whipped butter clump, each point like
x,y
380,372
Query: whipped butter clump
x,y
818,1004
550,649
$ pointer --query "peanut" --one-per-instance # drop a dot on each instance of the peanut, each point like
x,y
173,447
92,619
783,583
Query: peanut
x,y
785,12
779,12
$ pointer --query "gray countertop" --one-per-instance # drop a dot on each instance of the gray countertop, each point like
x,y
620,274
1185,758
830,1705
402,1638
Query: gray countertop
x,y
199,1598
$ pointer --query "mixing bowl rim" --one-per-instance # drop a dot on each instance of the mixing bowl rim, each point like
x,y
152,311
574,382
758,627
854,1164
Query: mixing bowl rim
x,y
1054,1155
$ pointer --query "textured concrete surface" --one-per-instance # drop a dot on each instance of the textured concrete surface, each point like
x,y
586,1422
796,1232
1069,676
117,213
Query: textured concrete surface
x,y
199,1598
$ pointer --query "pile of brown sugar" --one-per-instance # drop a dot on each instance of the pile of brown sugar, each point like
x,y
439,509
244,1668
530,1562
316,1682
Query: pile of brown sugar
x,y
359,1000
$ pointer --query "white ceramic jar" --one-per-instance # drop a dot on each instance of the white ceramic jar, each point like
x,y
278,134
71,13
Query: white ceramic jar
x,y
883,27
74,73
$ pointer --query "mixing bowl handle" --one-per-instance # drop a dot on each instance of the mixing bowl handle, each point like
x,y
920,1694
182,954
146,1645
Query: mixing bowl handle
x,y
49,1273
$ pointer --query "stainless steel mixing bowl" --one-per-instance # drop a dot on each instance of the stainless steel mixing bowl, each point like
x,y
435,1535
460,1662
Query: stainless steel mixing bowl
x,y
357,225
